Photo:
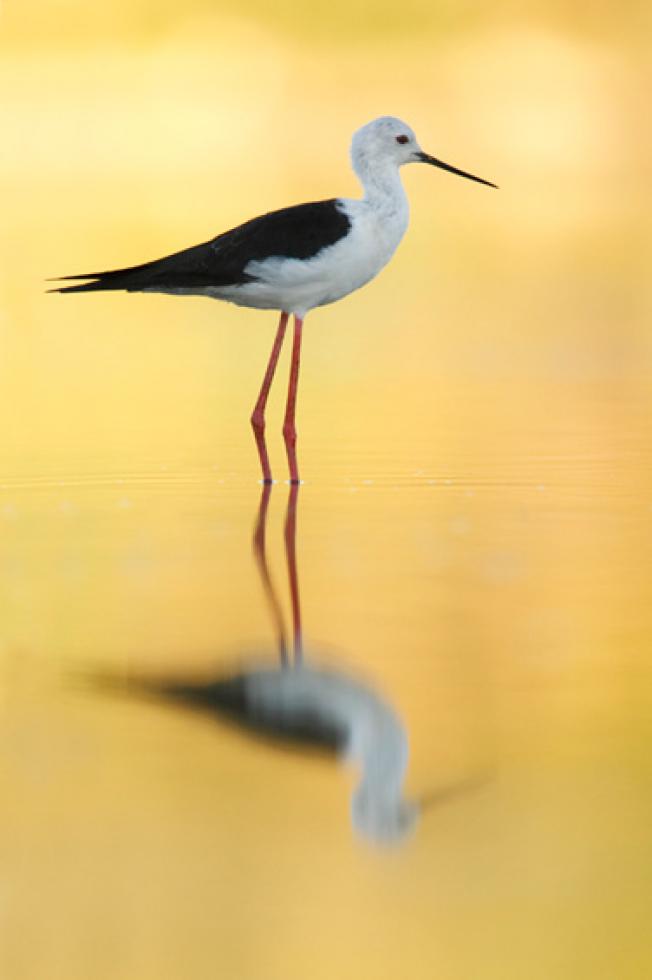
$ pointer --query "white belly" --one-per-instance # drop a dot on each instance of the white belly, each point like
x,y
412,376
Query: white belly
x,y
299,285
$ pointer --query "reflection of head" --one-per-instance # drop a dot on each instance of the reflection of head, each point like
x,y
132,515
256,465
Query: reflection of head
x,y
380,819
378,747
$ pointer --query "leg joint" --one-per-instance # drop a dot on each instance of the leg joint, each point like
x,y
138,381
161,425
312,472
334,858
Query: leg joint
x,y
290,433
258,422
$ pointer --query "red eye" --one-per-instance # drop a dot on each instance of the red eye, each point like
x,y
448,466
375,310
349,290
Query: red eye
x,y
402,139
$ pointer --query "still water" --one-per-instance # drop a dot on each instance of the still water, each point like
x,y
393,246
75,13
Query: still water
x,y
495,597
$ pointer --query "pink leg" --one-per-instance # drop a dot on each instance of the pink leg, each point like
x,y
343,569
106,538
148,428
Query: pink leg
x,y
289,428
291,552
258,414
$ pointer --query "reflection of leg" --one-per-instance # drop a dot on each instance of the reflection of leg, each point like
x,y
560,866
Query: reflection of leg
x,y
261,560
291,551
258,414
289,428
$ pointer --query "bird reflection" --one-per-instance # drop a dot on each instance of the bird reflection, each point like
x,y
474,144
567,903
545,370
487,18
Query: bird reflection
x,y
295,700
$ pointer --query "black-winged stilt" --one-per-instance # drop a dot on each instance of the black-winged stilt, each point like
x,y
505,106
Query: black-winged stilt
x,y
295,259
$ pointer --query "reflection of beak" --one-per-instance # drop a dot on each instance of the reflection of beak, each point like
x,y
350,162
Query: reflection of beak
x,y
444,794
433,161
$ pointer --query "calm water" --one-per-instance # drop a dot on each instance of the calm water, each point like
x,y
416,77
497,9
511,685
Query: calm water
x,y
498,595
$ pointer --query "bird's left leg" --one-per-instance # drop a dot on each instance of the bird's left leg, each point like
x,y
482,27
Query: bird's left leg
x,y
258,414
289,428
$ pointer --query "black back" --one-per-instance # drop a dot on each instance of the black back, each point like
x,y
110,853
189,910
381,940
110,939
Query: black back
x,y
298,232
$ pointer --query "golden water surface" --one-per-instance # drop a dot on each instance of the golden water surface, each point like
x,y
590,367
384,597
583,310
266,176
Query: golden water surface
x,y
474,529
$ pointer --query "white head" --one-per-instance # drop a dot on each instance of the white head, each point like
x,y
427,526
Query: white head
x,y
388,142
384,818
384,140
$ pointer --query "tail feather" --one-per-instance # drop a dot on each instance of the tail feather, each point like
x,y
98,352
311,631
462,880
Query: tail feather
x,y
192,268
89,287
85,275
131,279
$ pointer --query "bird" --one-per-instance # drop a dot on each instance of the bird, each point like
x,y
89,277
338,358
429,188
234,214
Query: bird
x,y
295,259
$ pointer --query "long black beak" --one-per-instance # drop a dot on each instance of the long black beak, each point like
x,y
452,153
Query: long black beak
x,y
425,158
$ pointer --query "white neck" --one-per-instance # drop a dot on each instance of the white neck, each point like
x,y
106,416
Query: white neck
x,y
382,185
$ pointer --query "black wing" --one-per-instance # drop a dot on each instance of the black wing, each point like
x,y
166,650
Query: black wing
x,y
298,232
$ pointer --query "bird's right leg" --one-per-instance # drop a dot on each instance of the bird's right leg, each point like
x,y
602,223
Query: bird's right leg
x,y
289,428
258,414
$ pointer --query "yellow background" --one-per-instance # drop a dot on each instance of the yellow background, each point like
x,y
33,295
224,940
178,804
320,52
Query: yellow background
x,y
474,528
